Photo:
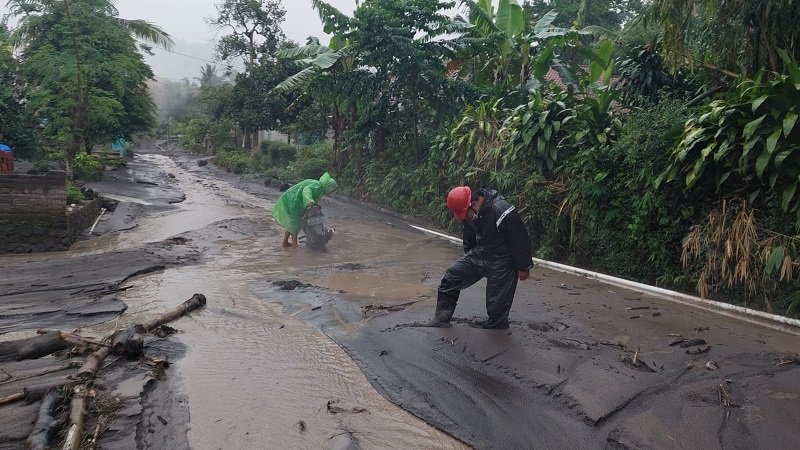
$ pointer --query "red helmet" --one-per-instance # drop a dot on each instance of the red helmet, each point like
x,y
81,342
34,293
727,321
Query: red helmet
x,y
458,201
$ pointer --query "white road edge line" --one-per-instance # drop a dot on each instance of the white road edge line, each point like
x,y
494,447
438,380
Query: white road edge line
x,y
774,321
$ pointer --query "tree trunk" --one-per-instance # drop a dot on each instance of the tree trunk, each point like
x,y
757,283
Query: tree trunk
x,y
77,414
247,139
89,369
197,301
32,348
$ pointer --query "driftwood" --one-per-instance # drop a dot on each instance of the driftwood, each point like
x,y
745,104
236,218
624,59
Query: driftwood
x,y
197,301
12,398
75,339
122,342
32,348
89,368
127,343
77,413
45,423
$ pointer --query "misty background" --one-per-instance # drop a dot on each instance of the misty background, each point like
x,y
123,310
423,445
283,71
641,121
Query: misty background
x,y
185,21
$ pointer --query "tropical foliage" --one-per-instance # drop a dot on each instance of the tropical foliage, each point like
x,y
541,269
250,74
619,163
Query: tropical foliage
x,y
84,74
654,140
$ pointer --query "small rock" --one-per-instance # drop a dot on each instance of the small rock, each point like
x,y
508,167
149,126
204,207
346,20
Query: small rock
x,y
171,175
711,365
202,162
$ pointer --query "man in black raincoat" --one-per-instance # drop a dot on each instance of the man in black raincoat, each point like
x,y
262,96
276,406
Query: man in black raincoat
x,y
496,246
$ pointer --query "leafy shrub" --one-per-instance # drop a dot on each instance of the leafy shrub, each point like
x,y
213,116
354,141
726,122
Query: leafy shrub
x,y
278,153
203,133
74,194
86,167
747,143
308,168
236,161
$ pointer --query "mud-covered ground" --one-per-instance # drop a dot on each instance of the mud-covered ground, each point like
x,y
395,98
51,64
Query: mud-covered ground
x,y
305,350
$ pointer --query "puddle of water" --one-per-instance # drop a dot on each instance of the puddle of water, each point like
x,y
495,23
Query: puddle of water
x,y
373,285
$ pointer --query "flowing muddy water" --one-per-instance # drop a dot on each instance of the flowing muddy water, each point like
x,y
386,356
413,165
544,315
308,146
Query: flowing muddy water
x,y
255,377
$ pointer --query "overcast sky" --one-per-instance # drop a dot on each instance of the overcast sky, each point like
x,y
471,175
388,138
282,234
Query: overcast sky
x,y
185,21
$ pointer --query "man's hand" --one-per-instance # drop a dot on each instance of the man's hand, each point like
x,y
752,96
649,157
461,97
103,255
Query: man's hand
x,y
523,274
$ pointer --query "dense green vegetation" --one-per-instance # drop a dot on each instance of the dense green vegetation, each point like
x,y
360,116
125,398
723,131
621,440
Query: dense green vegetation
x,y
656,140
79,78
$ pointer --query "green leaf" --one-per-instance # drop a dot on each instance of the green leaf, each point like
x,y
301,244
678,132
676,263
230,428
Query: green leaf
x,y
545,22
723,150
772,140
758,102
510,17
788,123
788,195
709,148
780,157
791,66
761,163
751,127
774,261
723,178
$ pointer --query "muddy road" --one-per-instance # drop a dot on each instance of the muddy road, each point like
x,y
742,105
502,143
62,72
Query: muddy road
x,y
304,350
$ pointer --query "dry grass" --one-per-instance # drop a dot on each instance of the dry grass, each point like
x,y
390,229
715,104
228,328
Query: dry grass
x,y
735,252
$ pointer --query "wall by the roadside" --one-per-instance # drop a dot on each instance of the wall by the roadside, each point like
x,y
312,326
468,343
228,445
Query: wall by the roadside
x,y
34,217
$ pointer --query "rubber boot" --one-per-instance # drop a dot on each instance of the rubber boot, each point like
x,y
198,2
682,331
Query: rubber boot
x,y
445,308
491,324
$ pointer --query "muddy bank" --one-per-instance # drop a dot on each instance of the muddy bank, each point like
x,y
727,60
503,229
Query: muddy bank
x,y
132,404
69,291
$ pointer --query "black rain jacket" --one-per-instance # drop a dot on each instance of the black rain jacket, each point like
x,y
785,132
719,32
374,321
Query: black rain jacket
x,y
498,231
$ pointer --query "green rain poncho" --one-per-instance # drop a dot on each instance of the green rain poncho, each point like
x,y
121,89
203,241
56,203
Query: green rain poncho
x,y
291,205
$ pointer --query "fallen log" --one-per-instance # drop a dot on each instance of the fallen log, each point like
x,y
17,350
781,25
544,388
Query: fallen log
x,y
197,301
74,339
127,343
45,423
89,368
32,348
12,398
77,413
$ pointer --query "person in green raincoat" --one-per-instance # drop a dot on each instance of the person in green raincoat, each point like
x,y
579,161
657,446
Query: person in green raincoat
x,y
292,204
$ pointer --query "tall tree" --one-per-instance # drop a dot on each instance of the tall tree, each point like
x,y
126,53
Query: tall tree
x,y
209,76
255,35
89,78
254,29
15,126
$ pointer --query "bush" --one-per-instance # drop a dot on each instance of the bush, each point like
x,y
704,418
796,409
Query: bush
x,y
278,154
236,161
74,194
625,220
308,168
86,167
